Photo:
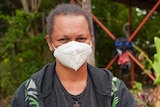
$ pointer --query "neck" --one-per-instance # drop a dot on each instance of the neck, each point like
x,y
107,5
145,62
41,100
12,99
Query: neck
x,y
73,81
68,74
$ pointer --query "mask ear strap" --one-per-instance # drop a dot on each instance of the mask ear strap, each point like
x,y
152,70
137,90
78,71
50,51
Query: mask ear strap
x,y
53,46
90,43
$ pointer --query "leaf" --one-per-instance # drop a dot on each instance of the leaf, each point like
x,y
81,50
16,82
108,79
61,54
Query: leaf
x,y
157,81
157,44
156,64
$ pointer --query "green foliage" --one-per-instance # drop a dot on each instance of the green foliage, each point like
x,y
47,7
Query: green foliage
x,y
156,61
138,86
113,16
22,50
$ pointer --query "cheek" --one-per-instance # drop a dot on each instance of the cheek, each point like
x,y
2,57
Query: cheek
x,y
89,41
56,44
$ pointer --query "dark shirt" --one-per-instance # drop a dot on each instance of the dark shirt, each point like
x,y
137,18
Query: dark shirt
x,y
85,99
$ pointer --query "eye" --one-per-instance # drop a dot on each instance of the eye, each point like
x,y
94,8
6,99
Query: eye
x,y
63,40
81,39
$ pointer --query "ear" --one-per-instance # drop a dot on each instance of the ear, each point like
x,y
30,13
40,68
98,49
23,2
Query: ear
x,y
49,43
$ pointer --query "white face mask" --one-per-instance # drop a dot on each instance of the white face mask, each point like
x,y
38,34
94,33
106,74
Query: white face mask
x,y
73,54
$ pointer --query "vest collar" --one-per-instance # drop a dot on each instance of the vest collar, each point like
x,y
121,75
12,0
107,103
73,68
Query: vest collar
x,y
101,79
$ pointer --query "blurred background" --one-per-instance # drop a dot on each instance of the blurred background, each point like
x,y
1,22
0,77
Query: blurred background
x,y
24,51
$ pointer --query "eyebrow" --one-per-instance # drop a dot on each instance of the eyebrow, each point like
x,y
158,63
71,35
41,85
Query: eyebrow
x,y
79,35
57,36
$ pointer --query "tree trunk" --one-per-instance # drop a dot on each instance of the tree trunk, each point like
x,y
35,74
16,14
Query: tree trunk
x,y
30,6
86,5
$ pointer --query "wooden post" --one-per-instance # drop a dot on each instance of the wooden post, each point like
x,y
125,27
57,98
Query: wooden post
x,y
86,5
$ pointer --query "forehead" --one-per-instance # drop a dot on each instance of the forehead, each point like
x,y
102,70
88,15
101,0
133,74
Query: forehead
x,y
71,18
70,22
70,25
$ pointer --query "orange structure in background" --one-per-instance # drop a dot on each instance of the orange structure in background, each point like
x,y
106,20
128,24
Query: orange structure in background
x,y
132,35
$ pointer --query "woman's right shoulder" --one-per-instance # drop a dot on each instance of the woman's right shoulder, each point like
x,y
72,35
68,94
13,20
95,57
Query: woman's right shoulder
x,y
18,99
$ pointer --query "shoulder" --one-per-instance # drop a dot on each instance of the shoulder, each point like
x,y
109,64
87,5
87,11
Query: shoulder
x,y
125,97
30,87
18,99
99,71
26,93
101,79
